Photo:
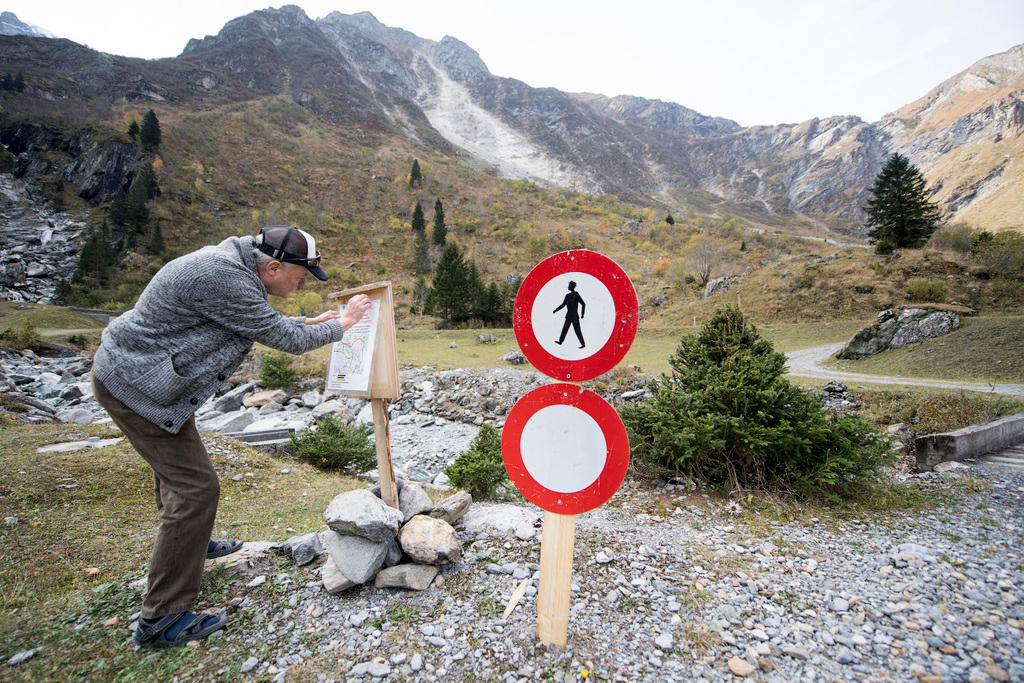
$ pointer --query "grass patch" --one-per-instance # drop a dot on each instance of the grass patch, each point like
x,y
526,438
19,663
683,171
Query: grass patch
x,y
930,412
48,320
86,523
983,349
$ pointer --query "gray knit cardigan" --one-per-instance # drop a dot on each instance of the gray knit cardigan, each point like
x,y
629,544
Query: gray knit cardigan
x,y
190,330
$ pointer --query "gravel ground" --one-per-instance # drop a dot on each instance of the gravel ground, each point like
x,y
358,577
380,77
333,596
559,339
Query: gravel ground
x,y
670,584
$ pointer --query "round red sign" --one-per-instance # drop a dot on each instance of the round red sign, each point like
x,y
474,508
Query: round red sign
x,y
575,315
565,448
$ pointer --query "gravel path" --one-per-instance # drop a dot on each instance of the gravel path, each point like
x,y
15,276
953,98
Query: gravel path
x,y
807,363
668,585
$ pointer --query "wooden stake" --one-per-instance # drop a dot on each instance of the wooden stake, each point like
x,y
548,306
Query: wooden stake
x,y
385,468
556,549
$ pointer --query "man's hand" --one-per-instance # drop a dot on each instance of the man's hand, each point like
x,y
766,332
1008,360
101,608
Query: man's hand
x,y
355,309
323,317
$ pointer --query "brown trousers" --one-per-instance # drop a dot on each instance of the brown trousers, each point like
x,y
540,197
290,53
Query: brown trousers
x,y
187,491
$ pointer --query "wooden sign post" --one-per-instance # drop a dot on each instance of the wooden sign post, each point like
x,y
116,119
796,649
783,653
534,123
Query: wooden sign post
x,y
364,364
565,448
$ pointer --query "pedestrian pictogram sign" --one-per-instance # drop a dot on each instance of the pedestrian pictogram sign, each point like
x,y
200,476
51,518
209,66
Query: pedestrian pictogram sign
x,y
565,448
575,315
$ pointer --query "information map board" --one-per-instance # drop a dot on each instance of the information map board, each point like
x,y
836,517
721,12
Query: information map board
x,y
364,363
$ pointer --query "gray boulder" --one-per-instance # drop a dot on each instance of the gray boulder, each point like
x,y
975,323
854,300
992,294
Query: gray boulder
x,y
416,577
430,541
513,358
452,508
232,400
357,558
303,549
897,329
228,423
413,500
719,285
334,580
360,513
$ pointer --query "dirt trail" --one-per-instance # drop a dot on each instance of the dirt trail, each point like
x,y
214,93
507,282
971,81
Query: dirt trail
x,y
807,363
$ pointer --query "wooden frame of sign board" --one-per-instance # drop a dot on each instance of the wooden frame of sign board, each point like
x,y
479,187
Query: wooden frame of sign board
x,y
383,380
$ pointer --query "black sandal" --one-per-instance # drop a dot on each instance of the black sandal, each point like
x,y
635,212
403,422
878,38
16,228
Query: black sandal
x,y
222,548
155,634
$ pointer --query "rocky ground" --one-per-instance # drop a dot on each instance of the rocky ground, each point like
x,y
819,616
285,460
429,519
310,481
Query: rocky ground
x,y
670,583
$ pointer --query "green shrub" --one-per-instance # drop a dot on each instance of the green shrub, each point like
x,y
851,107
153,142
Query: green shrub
x,y
1003,253
24,336
956,237
884,247
727,417
276,370
923,289
480,469
333,445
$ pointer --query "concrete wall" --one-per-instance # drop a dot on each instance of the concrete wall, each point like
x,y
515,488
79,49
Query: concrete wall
x,y
969,442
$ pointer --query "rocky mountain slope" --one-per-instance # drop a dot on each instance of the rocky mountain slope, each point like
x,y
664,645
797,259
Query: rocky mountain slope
x,y
355,71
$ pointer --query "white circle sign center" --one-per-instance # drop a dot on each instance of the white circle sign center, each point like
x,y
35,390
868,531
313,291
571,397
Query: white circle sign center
x,y
563,448
585,308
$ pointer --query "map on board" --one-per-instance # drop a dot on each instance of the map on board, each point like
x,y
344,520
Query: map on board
x,y
351,363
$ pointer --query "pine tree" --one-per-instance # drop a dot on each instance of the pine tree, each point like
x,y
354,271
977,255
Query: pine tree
x,y
147,178
419,223
149,134
440,230
421,255
133,130
8,82
670,220
447,296
19,82
118,209
899,213
415,176
137,214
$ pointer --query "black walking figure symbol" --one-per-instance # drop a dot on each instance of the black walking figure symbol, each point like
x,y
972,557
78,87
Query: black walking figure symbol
x,y
570,303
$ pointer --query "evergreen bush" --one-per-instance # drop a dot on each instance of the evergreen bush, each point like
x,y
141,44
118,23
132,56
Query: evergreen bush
x,y
727,417
333,445
480,469
276,370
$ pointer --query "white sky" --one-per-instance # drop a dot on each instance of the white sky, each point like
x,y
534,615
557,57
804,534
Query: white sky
x,y
754,61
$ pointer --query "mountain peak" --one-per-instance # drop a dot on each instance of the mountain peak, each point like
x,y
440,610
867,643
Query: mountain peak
x,y
10,25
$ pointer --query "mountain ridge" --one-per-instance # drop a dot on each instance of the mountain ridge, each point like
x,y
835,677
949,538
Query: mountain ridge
x,y
965,134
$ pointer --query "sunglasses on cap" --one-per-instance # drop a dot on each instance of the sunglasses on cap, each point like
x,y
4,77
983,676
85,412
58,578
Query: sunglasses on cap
x,y
280,253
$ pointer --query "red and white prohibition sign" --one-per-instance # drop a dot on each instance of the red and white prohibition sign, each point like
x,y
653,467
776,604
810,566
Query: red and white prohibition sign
x,y
565,448
575,315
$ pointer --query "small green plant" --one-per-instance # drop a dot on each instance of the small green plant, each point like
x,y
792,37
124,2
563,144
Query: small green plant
x,y
276,370
24,336
480,469
923,289
333,445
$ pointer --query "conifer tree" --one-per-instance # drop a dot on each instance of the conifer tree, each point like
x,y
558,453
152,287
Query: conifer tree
x,y
133,130
899,213
8,82
118,209
421,255
447,296
19,82
419,223
149,134
670,220
440,230
419,294
415,176
147,178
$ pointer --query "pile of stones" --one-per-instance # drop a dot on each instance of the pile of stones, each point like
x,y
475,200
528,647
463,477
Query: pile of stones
x,y
368,540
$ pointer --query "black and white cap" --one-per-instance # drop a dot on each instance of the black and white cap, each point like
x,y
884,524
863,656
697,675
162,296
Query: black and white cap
x,y
291,245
